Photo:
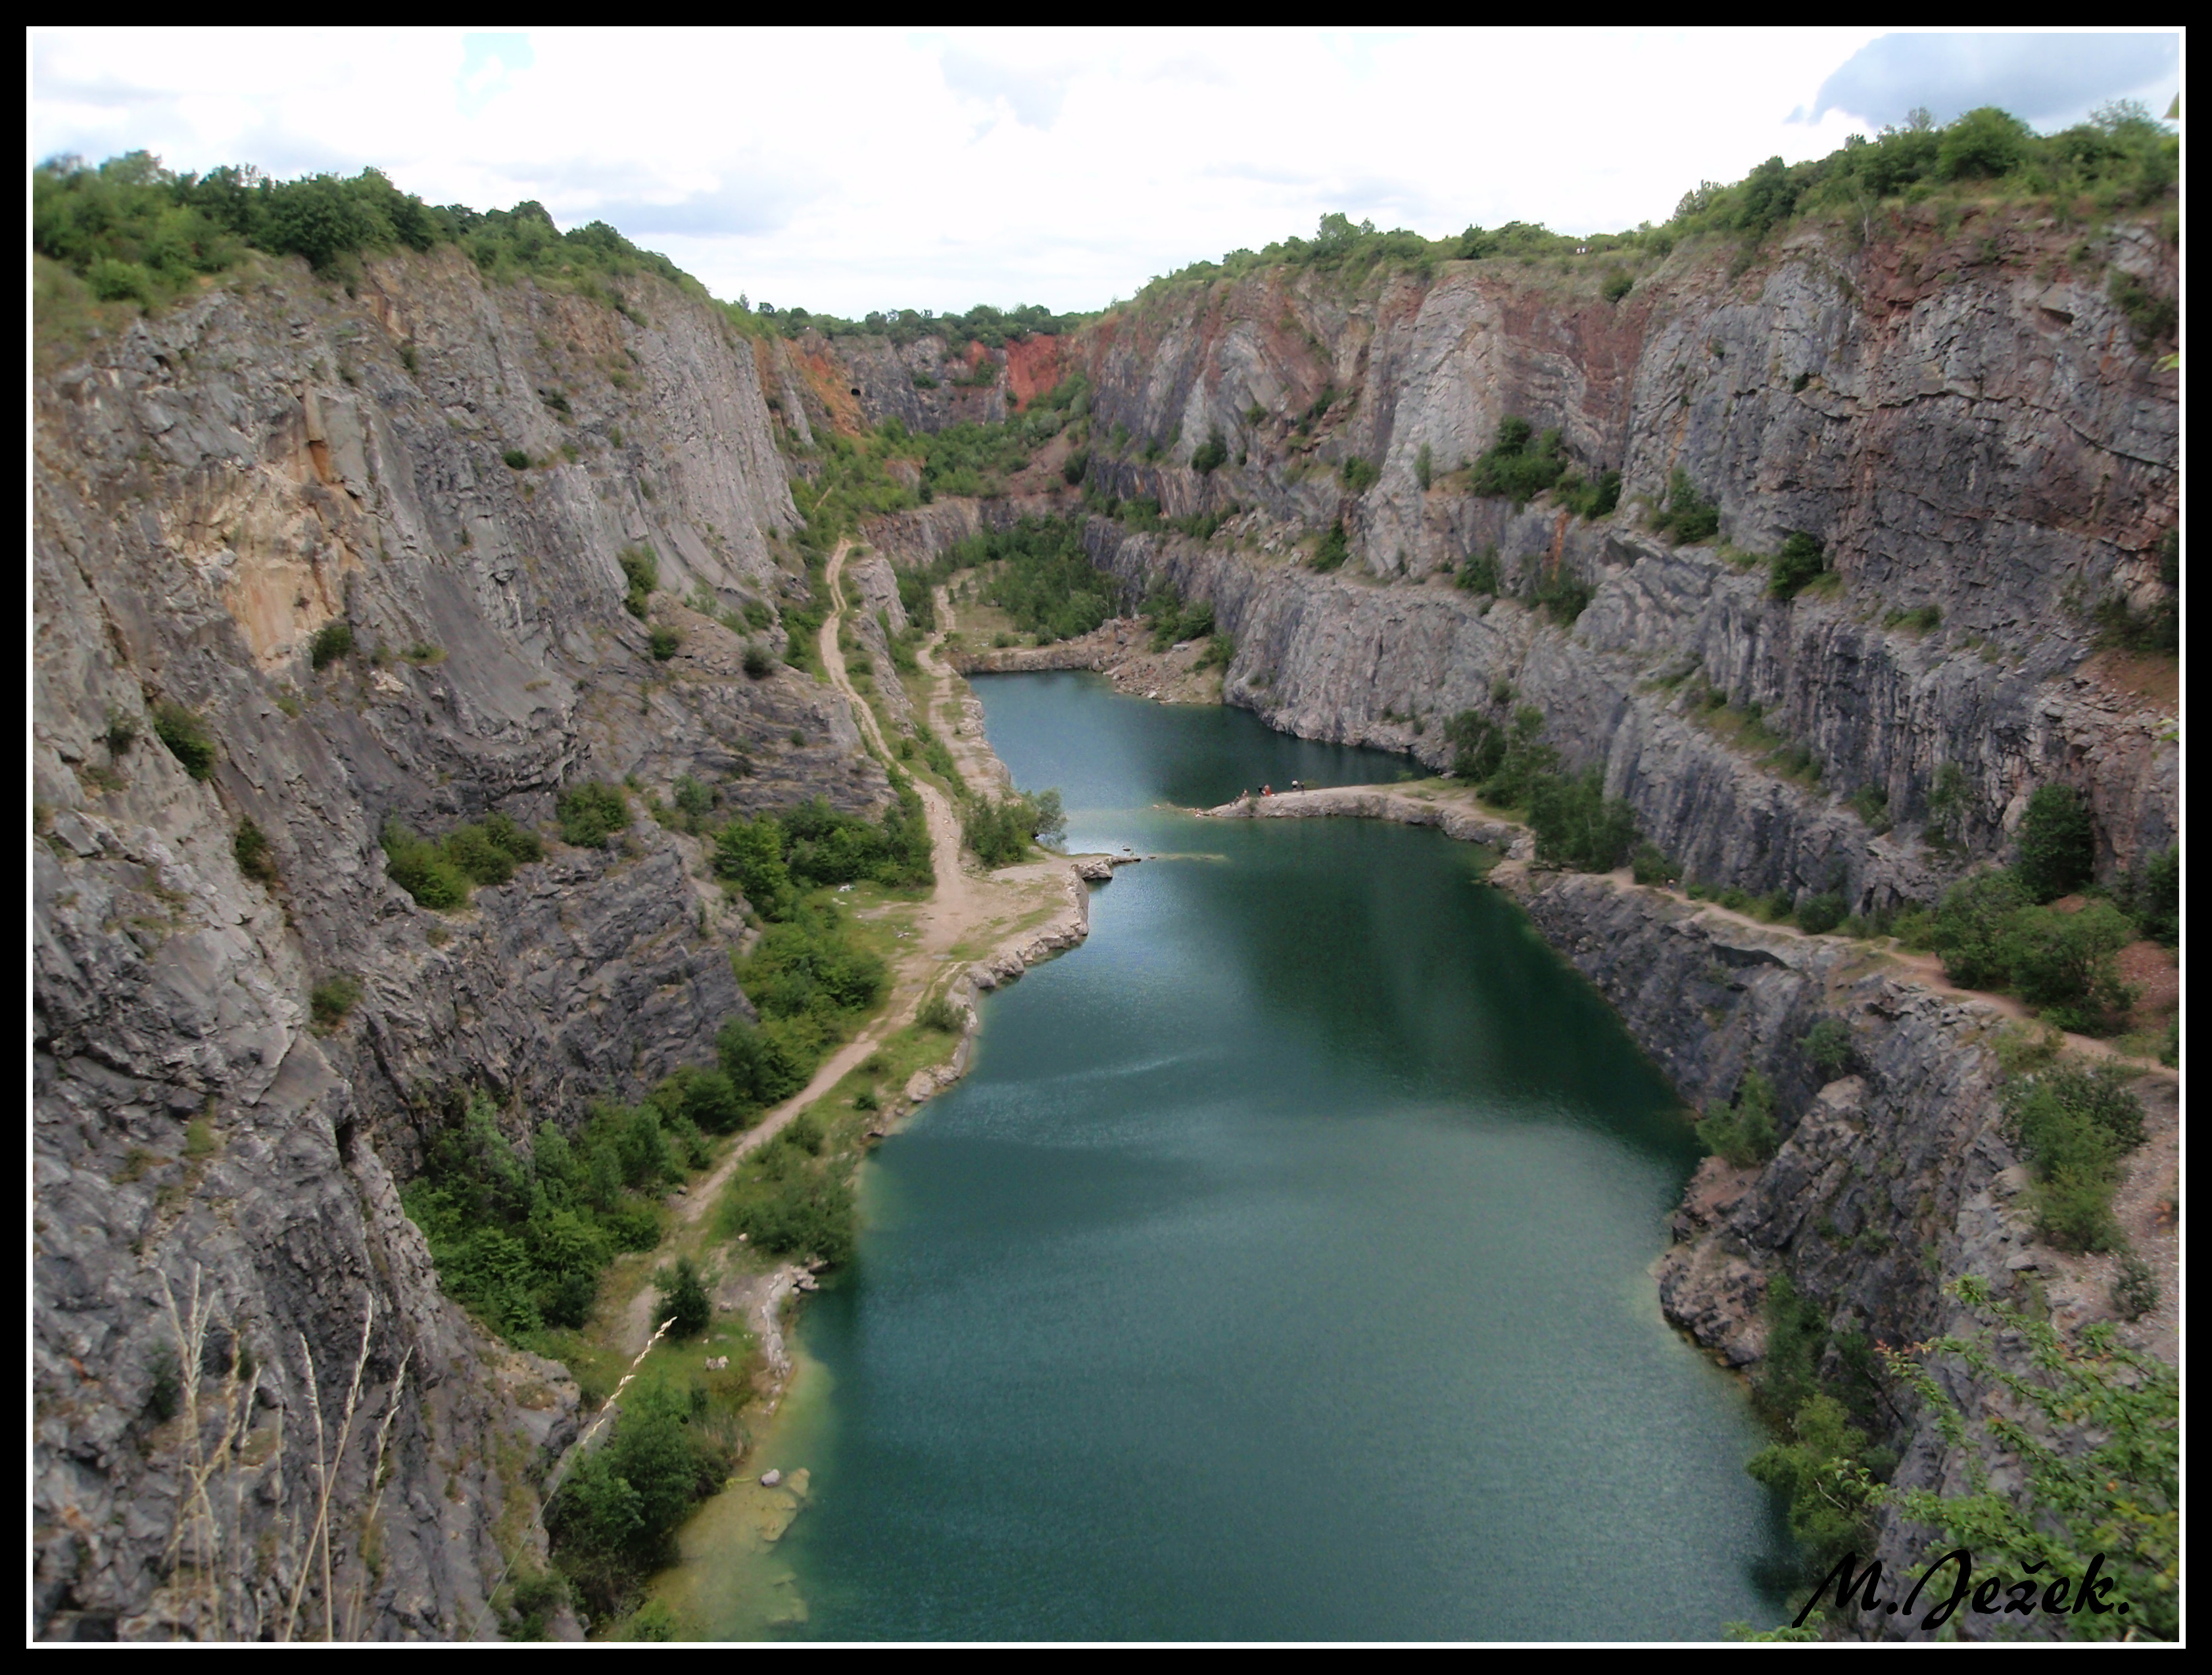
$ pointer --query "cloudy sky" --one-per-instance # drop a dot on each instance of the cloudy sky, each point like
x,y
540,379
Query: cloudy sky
x,y
851,171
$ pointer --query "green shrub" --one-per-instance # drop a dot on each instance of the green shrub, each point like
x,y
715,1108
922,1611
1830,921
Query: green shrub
x,y
2076,1126
1527,761
2057,844
329,1001
1922,619
516,459
1001,831
1074,469
1425,467
2135,1288
2089,1434
665,642
1478,572
422,869
1563,598
1827,1047
806,967
120,281
1205,459
332,641
591,812
772,858
939,1014
2151,318
1688,519
1477,746
1617,285
164,1387
614,1515
186,736
1586,498
1360,475
1818,914
1799,561
1744,1132
1971,926
2151,895
640,571
1335,547
250,845
1578,825
1652,865
788,1204
758,663
1513,468
682,1299
2066,962
1828,1509
1045,580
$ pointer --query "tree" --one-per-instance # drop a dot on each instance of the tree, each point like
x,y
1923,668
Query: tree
x,y
2095,1430
1970,924
2058,843
683,1299
2066,960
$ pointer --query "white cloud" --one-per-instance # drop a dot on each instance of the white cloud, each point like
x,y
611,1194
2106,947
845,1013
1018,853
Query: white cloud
x,y
856,170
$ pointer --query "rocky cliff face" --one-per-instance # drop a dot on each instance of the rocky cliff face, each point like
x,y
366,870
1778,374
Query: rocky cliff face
x,y
1891,1181
1961,417
210,487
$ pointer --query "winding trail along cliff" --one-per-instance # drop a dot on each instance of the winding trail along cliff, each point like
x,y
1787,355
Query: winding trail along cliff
x,y
210,487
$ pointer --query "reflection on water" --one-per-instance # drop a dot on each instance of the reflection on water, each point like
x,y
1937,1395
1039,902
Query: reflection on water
x,y
1279,1272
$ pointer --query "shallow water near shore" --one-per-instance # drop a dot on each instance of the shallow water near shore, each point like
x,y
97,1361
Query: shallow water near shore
x,y
1279,1272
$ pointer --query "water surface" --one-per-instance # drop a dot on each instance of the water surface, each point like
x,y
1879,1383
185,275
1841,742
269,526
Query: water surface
x,y
1280,1269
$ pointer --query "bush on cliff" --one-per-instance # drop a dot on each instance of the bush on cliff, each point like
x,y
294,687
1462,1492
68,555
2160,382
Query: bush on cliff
x,y
1797,564
1477,746
591,812
1688,519
2075,1125
1516,468
2151,895
2090,1432
1743,1132
186,736
1478,572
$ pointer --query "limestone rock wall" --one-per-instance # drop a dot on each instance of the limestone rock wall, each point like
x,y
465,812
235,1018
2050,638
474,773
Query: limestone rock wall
x,y
210,487
1961,418
1891,1181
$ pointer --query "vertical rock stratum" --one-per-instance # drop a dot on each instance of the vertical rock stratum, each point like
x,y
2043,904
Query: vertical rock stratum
x,y
211,489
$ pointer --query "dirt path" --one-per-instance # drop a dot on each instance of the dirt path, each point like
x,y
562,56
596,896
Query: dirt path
x,y
962,903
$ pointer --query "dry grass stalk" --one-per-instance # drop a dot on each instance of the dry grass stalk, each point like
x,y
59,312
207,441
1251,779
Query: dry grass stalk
x,y
197,1522
213,1548
326,1470
576,1452
359,1598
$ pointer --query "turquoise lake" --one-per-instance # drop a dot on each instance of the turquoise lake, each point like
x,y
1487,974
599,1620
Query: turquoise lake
x,y
1280,1271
